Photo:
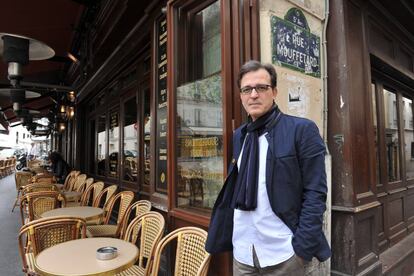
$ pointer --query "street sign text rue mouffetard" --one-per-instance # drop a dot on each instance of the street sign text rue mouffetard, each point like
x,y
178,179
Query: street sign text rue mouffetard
x,y
293,45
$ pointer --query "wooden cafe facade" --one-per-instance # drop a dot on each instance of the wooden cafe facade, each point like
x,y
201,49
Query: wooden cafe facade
x,y
157,102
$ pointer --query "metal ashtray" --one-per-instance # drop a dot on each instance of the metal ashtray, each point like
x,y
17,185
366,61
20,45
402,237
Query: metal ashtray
x,y
106,253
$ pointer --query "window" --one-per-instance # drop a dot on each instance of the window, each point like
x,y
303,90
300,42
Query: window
x,y
199,128
394,140
101,146
130,154
392,136
92,139
147,136
113,143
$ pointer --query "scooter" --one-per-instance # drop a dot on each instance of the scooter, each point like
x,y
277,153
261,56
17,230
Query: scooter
x,y
21,162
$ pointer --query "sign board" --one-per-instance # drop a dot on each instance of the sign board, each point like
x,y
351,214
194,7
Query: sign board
x,y
293,45
161,84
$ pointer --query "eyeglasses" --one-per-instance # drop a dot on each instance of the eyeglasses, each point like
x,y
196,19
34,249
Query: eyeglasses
x,y
260,88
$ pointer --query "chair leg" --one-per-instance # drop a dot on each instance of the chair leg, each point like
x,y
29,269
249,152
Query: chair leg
x,y
16,201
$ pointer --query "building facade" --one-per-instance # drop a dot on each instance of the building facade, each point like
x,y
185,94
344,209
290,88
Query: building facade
x,y
158,102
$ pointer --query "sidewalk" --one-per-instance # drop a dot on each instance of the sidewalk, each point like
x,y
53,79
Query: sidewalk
x,y
10,263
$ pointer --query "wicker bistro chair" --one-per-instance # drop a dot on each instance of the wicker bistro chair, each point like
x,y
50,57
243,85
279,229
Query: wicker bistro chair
x,y
21,179
112,230
75,201
191,258
2,168
102,201
38,202
38,187
70,178
136,209
108,192
145,231
80,179
92,190
40,234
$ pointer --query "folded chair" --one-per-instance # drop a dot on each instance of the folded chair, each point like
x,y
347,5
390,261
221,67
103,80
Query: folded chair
x,y
37,203
191,258
21,179
112,230
145,231
40,234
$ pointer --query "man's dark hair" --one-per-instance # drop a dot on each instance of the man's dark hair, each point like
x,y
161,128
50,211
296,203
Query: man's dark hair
x,y
254,65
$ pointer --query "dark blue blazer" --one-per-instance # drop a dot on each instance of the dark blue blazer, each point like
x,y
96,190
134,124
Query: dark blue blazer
x,y
295,182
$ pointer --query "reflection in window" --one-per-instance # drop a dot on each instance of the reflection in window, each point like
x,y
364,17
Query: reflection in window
x,y
147,136
392,135
408,137
101,150
199,120
375,128
92,151
130,154
113,143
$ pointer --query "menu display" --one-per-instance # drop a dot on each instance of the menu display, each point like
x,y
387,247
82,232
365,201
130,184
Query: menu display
x,y
161,132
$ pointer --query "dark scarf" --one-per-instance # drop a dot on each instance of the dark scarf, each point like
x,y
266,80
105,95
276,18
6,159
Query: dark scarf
x,y
245,190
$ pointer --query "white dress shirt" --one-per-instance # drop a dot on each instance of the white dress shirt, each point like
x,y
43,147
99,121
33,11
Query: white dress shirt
x,y
261,228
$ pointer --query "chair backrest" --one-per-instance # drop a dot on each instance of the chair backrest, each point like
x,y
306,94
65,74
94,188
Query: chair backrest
x,y
50,179
40,234
85,184
125,199
191,258
78,182
92,190
38,187
22,179
145,231
70,178
32,164
108,192
136,209
37,203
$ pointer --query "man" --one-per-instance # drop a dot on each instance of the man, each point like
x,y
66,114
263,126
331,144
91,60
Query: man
x,y
33,152
270,209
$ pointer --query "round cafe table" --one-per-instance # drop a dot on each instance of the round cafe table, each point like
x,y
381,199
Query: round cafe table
x,y
78,257
86,212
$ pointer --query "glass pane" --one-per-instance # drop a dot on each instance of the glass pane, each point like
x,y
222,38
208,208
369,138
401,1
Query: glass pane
x,y
375,129
200,121
101,151
113,143
130,140
147,137
408,137
392,138
209,31
92,149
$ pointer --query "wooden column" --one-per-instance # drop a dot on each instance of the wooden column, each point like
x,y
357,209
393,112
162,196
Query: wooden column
x,y
354,203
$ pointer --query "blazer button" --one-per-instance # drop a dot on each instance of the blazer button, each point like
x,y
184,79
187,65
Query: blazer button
x,y
233,161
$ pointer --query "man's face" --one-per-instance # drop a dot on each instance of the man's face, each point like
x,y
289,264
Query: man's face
x,y
257,104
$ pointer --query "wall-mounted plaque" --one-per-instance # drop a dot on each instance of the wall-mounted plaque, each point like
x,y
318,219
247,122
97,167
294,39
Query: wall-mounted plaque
x,y
293,45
